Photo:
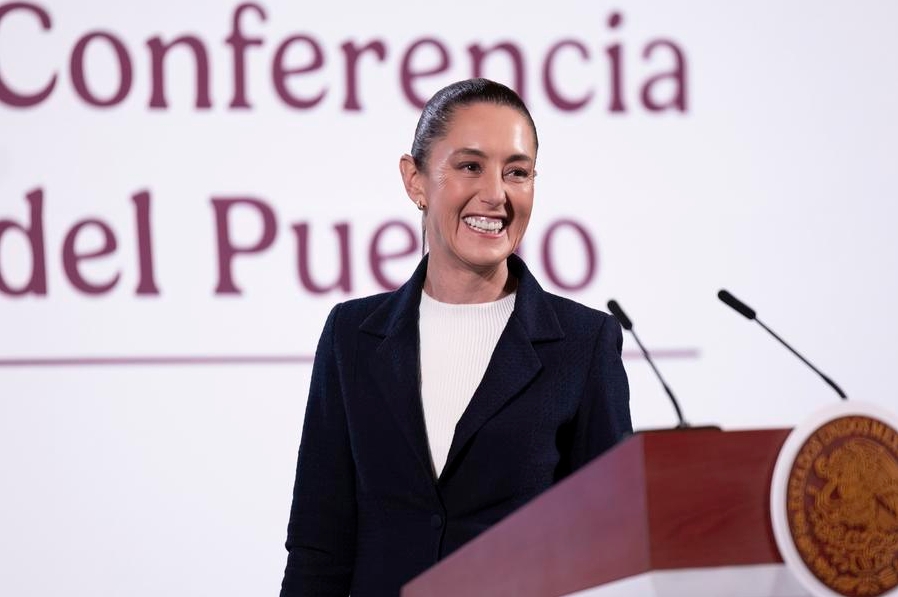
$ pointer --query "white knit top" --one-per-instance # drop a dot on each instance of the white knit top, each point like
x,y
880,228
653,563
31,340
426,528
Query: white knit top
x,y
457,342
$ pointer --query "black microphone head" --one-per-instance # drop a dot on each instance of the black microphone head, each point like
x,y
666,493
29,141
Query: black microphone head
x,y
736,304
620,315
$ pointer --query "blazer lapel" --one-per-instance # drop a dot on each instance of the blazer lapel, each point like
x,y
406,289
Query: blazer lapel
x,y
513,365
394,364
515,362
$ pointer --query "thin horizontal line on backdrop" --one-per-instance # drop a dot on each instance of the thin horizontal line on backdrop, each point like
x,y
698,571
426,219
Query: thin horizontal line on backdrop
x,y
300,359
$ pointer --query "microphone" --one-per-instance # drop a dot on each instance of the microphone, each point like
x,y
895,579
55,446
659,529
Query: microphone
x,y
628,325
749,313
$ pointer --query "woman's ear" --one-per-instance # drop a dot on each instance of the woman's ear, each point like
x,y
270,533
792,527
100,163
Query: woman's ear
x,y
413,179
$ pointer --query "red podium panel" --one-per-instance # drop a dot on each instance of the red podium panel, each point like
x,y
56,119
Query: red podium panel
x,y
657,501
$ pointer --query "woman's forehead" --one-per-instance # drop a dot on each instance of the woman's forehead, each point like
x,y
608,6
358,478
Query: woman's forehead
x,y
489,128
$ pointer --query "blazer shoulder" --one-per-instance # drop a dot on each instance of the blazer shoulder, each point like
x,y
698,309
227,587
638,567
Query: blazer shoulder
x,y
353,312
574,315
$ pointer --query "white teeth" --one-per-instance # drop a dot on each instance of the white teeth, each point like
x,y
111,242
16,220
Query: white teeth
x,y
483,223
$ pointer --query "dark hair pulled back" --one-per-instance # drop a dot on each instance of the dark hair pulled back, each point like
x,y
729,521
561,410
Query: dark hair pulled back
x,y
439,110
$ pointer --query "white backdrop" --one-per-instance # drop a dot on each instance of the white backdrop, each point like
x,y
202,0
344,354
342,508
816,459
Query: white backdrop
x,y
142,452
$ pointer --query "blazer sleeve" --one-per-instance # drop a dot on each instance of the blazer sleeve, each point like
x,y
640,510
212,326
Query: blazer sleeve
x,y
603,418
322,528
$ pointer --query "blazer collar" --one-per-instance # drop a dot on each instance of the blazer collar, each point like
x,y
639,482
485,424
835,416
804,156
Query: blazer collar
x,y
531,308
395,364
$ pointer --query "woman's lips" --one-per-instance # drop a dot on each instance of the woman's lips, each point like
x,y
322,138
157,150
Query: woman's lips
x,y
484,224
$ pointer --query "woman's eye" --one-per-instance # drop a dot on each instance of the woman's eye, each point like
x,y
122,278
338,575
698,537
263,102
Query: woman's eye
x,y
518,174
472,167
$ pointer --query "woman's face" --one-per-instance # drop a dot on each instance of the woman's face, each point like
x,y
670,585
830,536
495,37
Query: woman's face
x,y
478,187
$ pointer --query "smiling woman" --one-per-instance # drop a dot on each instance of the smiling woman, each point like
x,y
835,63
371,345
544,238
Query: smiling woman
x,y
438,409
475,186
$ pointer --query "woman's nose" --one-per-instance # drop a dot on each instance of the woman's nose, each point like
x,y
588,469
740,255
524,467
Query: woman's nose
x,y
494,191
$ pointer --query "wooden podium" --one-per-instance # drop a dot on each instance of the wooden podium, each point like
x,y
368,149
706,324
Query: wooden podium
x,y
658,501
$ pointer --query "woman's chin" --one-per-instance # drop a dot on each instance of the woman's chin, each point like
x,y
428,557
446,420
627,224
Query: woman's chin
x,y
486,259
473,250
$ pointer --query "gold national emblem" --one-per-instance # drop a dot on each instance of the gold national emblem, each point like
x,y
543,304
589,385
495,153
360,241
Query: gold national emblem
x,y
843,505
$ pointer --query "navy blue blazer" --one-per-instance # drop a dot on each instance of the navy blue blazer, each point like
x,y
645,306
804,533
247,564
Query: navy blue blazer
x,y
368,514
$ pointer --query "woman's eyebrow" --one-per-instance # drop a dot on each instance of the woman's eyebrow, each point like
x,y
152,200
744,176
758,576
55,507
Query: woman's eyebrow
x,y
516,157
470,151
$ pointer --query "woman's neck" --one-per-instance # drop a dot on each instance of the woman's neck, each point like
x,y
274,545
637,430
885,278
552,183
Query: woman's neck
x,y
461,285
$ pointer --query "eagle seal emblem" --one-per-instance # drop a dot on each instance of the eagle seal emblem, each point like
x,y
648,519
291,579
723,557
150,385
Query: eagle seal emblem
x,y
841,505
